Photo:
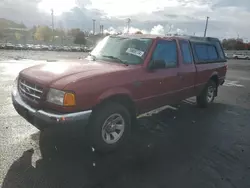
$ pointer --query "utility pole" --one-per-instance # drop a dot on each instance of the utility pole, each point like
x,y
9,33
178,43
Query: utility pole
x,y
61,32
205,32
94,26
101,29
52,17
128,24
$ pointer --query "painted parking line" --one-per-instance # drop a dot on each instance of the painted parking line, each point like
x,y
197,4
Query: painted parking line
x,y
232,83
156,111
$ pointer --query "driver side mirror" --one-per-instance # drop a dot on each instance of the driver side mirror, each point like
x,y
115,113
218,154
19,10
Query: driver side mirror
x,y
157,64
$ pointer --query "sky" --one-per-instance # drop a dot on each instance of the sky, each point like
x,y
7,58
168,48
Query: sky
x,y
227,18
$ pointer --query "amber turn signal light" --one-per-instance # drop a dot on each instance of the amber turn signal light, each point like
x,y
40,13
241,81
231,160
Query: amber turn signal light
x,y
69,99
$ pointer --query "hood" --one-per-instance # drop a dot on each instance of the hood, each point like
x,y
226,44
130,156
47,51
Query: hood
x,y
68,71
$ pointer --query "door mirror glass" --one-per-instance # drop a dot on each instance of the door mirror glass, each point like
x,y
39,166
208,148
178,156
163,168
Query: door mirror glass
x,y
158,64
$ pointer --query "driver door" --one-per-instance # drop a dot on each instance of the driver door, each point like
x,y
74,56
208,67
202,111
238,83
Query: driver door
x,y
160,86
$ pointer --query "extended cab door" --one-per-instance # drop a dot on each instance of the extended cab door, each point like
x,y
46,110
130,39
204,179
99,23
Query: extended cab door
x,y
159,86
187,70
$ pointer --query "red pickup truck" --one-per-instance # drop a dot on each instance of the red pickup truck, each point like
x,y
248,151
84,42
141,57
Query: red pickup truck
x,y
122,77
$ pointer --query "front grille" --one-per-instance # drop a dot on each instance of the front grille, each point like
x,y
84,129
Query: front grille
x,y
30,90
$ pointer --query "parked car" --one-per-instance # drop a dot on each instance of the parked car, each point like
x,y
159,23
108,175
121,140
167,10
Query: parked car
x,y
119,80
2,46
226,55
44,47
51,48
88,49
19,47
29,46
37,47
241,56
9,46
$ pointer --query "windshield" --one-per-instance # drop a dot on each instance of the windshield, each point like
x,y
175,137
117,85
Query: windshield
x,y
121,49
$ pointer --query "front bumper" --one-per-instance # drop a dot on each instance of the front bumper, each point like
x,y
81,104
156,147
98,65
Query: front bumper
x,y
42,119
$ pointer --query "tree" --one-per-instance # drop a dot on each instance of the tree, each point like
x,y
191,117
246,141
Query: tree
x,y
21,25
234,44
1,34
60,33
80,38
18,36
74,32
43,33
138,32
32,31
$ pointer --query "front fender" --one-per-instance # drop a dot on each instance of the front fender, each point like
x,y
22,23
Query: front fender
x,y
114,92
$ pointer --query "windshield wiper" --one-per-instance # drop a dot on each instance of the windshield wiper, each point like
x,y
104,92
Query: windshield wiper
x,y
116,58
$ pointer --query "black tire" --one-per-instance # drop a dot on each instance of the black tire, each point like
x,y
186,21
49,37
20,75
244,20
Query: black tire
x,y
100,115
203,100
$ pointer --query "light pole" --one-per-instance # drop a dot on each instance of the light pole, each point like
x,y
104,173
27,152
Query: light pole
x,y
101,29
205,32
94,26
128,24
52,20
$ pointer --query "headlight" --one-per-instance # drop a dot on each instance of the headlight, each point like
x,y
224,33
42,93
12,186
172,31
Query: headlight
x,y
61,97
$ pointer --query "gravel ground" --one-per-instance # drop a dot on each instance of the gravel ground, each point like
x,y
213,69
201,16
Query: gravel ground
x,y
182,147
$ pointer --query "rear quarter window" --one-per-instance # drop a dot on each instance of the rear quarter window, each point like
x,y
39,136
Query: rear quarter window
x,y
201,52
206,53
220,50
212,53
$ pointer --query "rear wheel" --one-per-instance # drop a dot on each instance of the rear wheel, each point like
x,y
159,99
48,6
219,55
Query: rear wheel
x,y
109,127
208,94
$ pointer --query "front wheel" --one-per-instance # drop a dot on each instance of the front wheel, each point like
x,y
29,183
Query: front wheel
x,y
109,127
208,94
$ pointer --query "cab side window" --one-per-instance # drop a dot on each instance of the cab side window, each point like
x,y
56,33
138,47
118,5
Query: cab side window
x,y
186,52
206,53
166,51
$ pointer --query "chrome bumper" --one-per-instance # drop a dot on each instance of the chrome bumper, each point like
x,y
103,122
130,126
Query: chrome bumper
x,y
42,119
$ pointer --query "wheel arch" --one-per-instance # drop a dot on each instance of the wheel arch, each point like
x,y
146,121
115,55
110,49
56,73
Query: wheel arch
x,y
214,77
120,96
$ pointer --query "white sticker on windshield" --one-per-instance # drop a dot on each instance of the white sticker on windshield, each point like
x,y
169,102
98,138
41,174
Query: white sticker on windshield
x,y
134,51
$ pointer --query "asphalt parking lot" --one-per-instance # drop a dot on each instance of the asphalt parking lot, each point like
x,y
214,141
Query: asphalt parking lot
x,y
184,146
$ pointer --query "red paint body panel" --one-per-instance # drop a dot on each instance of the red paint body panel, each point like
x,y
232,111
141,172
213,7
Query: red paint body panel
x,y
94,81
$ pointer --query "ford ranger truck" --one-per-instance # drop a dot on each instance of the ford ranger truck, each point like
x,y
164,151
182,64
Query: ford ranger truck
x,y
122,77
